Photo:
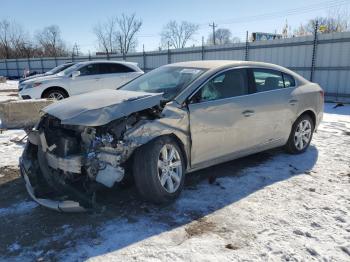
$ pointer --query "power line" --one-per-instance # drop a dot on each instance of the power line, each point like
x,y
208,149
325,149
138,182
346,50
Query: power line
x,y
272,15
286,12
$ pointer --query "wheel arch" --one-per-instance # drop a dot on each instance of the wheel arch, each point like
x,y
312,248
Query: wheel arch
x,y
177,140
54,88
310,113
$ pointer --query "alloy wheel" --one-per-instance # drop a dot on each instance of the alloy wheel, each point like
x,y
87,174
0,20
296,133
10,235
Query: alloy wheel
x,y
169,168
56,96
302,134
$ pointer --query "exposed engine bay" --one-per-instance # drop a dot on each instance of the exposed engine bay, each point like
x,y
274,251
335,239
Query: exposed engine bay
x,y
72,162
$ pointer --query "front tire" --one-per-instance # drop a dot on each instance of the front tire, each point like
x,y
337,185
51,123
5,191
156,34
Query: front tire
x,y
159,170
301,135
55,94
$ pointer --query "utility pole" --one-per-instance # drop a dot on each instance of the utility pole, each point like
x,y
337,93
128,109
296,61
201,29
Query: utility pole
x,y
75,50
213,25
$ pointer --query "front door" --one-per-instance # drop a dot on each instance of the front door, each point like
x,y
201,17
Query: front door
x,y
88,80
221,117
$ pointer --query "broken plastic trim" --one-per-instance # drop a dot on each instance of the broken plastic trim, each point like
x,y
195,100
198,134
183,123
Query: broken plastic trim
x,y
61,206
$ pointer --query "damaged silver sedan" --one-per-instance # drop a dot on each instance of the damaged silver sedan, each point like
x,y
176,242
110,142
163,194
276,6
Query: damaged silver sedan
x,y
176,119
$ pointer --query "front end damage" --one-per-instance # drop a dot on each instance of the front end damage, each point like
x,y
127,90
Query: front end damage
x,y
65,165
69,157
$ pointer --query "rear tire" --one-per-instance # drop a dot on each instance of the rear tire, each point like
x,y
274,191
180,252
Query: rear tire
x,y
56,94
301,135
159,170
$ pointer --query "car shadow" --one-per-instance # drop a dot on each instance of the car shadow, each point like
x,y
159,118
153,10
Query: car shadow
x,y
127,220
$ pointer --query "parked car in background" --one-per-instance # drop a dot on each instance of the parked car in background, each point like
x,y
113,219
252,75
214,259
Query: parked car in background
x,y
53,71
174,120
80,78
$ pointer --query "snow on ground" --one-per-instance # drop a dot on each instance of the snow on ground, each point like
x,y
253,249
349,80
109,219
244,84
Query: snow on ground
x,y
10,147
20,208
292,207
8,96
277,207
10,84
8,91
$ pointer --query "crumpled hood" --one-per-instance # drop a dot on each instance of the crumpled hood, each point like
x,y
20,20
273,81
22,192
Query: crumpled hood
x,y
101,107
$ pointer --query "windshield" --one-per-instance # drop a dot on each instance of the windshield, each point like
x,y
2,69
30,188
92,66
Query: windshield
x,y
69,70
58,69
169,80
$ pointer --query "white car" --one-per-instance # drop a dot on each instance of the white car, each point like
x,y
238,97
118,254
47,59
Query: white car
x,y
80,78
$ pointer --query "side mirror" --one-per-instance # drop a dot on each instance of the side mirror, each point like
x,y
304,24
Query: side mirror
x,y
75,74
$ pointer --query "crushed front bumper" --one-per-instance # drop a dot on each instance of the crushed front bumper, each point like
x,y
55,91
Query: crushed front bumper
x,y
62,206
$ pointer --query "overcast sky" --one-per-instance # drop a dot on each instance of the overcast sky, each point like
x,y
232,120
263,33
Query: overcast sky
x,y
77,18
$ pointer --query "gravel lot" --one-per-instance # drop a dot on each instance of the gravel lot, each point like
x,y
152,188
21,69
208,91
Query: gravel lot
x,y
270,206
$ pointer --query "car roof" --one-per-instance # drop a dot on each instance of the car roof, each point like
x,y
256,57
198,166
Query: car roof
x,y
107,61
128,64
213,64
217,65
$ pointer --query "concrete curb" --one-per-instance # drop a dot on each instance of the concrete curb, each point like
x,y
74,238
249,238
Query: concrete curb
x,y
21,113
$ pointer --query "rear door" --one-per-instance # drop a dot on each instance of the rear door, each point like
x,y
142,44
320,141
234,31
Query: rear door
x,y
115,75
87,81
274,105
222,121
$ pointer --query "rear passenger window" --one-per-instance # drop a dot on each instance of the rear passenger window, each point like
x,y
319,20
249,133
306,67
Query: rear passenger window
x,y
288,80
118,68
266,80
112,68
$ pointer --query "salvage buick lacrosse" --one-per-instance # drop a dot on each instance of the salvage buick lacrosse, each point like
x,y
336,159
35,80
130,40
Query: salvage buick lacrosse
x,y
171,121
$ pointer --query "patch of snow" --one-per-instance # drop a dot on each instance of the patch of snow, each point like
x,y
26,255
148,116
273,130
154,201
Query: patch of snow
x,y
10,150
8,96
8,91
14,247
19,208
10,84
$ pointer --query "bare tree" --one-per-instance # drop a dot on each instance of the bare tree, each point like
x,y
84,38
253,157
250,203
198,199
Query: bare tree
x,y
118,34
126,34
14,41
105,33
336,21
222,37
50,41
235,40
178,34
286,30
5,38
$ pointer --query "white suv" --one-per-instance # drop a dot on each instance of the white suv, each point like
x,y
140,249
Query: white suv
x,y
80,78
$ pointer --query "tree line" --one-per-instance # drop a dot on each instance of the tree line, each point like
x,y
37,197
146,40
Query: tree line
x,y
15,42
119,35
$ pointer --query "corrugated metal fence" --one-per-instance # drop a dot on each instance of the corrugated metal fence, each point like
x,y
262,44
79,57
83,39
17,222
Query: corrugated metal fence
x,y
324,59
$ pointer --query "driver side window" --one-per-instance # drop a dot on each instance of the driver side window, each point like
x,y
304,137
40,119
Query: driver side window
x,y
92,69
231,83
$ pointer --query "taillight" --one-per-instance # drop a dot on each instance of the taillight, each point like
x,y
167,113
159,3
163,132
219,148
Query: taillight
x,y
322,95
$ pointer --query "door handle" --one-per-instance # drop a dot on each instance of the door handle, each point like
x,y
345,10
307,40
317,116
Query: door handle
x,y
293,102
248,113
97,79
